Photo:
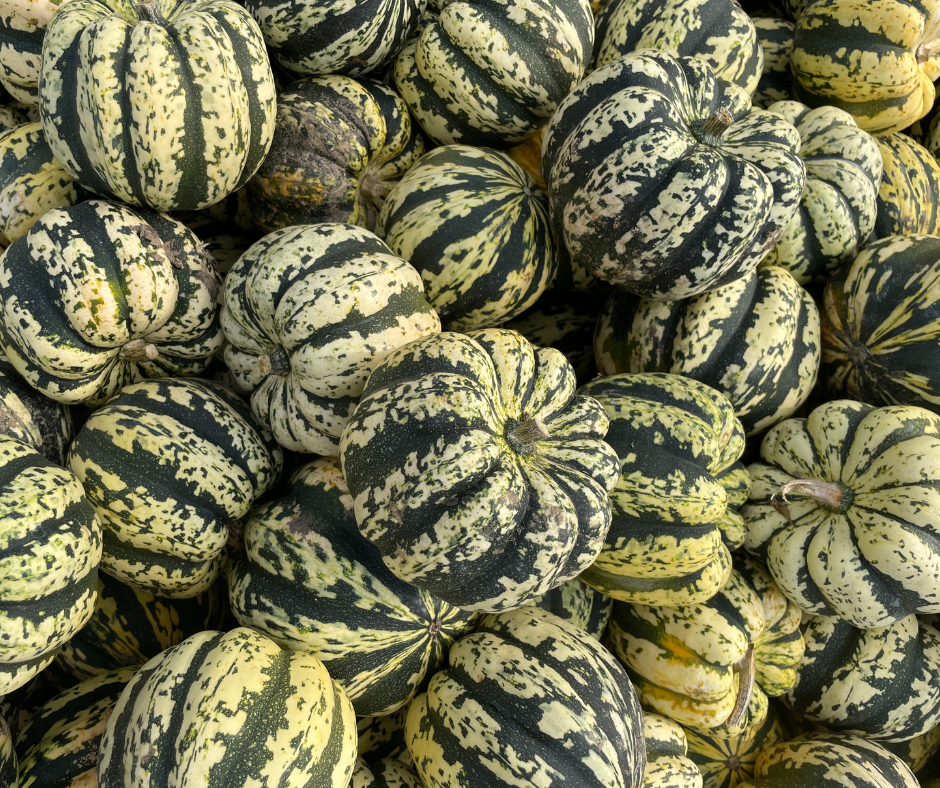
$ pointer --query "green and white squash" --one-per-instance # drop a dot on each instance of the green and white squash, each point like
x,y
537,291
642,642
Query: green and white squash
x,y
128,112
881,325
8,764
918,753
28,416
839,204
307,311
756,340
229,709
715,31
775,37
576,722
97,295
702,187
167,464
476,226
13,114
492,75
910,184
50,548
678,441
667,764
311,582
842,509
339,147
225,229
388,773
579,604
477,470
383,737
22,30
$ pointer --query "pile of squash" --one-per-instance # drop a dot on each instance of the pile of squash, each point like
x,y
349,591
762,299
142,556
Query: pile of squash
x,y
466,394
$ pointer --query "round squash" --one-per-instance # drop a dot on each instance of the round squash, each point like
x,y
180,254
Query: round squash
x,y
127,112
674,504
775,37
307,310
702,187
167,464
476,226
339,147
579,604
229,709
22,30
493,74
666,748
909,196
755,340
477,470
576,722
97,295
842,509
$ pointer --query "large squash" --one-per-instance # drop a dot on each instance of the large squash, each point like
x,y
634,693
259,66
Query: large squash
x,y
477,470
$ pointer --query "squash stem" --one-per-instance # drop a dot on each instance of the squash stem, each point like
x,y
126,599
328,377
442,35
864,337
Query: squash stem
x,y
746,671
138,350
524,435
927,50
717,123
149,11
830,494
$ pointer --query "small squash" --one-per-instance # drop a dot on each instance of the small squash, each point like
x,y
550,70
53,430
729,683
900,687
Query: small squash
x,y
776,40
22,30
909,196
666,749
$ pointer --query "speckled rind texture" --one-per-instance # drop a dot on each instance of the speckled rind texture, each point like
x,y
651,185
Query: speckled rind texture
x,y
881,325
909,196
874,60
775,37
387,773
647,196
167,464
22,29
715,31
50,549
88,283
382,737
678,441
137,125
7,757
579,604
477,470
477,227
493,73
756,340
870,559
307,312
229,709
666,763
526,697
311,582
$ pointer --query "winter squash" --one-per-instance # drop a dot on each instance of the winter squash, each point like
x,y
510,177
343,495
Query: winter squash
x,y
225,229
578,603
339,147
167,464
307,310
22,29
671,533
477,471
755,340
311,582
715,31
908,201
229,709
127,113
839,204
775,37
703,184
476,226
8,764
577,722
98,295
383,737
842,509
387,773
666,763
881,324
50,541
877,61
493,75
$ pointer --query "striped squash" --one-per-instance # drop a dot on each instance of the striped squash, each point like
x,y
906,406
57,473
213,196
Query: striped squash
x,y
756,340
702,186
881,683
666,544
8,763
130,626
59,744
31,181
476,226
830,760
50,548
775,37
877,61
13,114
492,75
909,196
97,295
576,722
842,509
477,470
227,709
388,773
579,604
331,37
711,666
881,325
666,749
166,464
306,312
22,30
383,737
918,753
838,208
311,582
127,114
225,230
339,147
715,31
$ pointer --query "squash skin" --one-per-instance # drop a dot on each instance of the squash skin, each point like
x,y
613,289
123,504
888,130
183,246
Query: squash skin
x,y
666,749
908,196
776,40
23,26
7,757
579,604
